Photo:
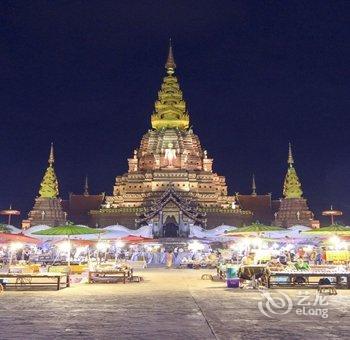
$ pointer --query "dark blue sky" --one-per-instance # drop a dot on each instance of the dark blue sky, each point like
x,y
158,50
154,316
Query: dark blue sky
x,y
255,75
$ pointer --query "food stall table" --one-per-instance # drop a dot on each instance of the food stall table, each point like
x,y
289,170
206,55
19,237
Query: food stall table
x,y
274,276
109,276
29,268
29,279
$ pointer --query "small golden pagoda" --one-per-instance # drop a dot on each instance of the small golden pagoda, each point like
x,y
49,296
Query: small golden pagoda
x,y
293,209
170,184
47,209
292,185
49,183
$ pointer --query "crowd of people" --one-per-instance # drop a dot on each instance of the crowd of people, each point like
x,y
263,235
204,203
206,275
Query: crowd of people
x,y
176,257
159,255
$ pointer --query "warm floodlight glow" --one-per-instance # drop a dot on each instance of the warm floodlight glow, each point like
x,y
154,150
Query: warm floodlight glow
x,y
15,246
119,244
195,246
64,247
102,246
257,242
335,240
243,244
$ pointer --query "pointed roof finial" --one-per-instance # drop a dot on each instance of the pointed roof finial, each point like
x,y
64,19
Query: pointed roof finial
x,y
170,63
290,155
51,157
86,186
253,186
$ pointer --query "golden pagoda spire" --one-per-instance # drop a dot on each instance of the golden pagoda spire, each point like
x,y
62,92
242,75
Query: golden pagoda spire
x,y
170,108
52,156
86,186
253,186
292,185
49,183
290,155
170,63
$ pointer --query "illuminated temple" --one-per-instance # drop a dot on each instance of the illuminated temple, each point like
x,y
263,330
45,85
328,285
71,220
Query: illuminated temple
x,y
170,184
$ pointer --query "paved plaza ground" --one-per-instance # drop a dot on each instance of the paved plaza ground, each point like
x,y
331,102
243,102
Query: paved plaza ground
x,y
170,304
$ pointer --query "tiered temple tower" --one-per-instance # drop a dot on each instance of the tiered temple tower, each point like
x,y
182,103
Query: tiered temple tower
x,y
47,209
170,183
293,208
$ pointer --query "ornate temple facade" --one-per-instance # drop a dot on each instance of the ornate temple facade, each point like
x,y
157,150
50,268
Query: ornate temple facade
x,y
47,209
293,209
170,183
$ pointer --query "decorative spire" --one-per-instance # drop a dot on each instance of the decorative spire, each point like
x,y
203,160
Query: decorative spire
x,y
290,155
253,186
292,185
49,183
170,63
86,186
170,108
52,156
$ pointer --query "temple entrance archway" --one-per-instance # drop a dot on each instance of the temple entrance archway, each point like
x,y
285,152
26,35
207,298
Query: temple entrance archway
x,y
170,227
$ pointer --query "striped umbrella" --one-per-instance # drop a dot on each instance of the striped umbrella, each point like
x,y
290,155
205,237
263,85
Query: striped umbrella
x,y
253,229
333,229
10,238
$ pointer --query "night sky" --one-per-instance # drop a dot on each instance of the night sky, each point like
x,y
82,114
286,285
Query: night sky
x,y
255,75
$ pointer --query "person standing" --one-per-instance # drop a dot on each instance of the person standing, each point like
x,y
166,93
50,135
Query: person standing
x,y
319,257
169,259
26,255
313,256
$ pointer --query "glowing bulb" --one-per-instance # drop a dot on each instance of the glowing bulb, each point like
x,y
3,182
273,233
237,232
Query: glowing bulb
x,y
243,244
64,247
16,245
119,244
257,242
334,240
102,246
195,246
